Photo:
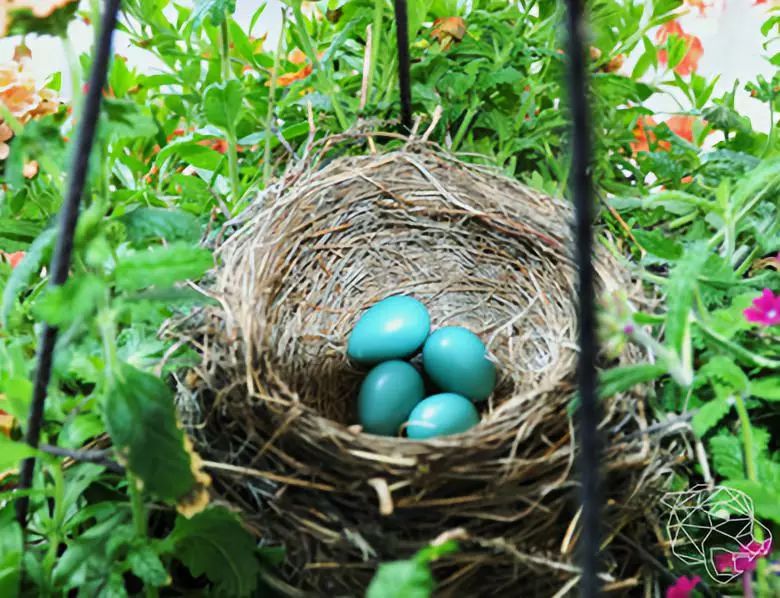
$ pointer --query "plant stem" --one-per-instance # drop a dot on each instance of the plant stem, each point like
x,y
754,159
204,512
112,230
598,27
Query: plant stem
x,y
74,70
57,521
751,472
464,127
232,150
376,40
271,101
308,48
224,49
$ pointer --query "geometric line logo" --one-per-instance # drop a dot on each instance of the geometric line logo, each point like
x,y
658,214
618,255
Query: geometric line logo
x,y
715,528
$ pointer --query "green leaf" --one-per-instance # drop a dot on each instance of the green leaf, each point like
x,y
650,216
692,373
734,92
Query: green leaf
x,y
710,414
140,417
222,104
11,551
145,563
621,379
679,293
144,223
126,120
161,266
727,458
215,10
214,543
21,276
727,371
659,244
417,11
766,388
766,501
402,579
76,299
12,452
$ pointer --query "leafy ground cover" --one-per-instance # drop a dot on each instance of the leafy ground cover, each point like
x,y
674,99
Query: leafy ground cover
x,y
689,204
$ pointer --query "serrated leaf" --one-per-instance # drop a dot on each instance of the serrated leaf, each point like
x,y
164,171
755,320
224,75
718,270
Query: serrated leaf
x,y
161,266
11,551
727,371
145,223
214,543
709,415
147,566
77,298
140,417
126,120
727,458
222,104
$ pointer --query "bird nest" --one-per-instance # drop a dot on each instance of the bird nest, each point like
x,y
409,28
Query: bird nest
x,y
272,406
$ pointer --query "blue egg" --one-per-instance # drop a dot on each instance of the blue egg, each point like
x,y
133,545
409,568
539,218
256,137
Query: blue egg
x,y
394,328
387,396
441,415
456,360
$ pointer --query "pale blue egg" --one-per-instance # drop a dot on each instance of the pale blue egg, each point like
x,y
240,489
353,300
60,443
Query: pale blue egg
x,y
394,328
387,396
441,415
456,361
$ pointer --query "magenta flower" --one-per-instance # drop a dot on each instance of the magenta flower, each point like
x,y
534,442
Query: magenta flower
x,y
744,560
683,587
765,309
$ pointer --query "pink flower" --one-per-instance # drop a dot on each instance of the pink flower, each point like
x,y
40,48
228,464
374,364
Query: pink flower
x,y
765,309
683,587
745,559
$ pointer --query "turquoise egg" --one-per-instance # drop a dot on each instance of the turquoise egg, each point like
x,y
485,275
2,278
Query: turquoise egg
x,y
387,396
456,360
394,328
440,415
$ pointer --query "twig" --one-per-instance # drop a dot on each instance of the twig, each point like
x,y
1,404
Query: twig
x,y
63,250
98,457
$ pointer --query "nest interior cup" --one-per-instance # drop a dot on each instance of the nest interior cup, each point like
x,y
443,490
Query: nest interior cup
x,y
276,395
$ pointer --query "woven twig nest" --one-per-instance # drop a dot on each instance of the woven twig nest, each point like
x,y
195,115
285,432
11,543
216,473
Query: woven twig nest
x,y
275,397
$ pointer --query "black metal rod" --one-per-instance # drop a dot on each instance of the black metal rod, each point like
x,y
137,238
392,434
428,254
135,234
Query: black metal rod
x,y
63,249
404,77
588,416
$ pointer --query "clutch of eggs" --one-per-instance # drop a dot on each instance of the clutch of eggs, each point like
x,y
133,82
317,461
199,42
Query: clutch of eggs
x,y
392,394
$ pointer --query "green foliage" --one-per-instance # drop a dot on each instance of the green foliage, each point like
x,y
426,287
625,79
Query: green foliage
x,y
139,415
411,578
213,543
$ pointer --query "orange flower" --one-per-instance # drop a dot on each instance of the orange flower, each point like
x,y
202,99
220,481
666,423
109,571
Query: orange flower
x,y
21,95
297,56
448,29
700,4
694,49
682,125
13,258
644,137
30,169
290,78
